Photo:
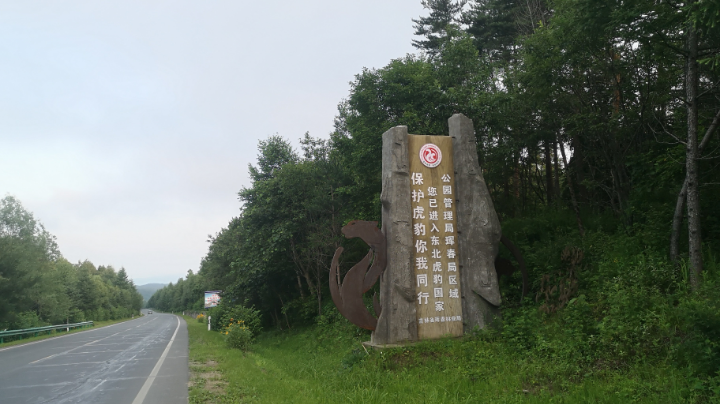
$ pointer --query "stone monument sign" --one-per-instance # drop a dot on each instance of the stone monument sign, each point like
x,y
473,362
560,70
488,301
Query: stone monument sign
x,y
441,237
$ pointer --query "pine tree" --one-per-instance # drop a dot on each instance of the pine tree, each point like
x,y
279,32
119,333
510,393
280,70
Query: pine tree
x,y
492,24
434,27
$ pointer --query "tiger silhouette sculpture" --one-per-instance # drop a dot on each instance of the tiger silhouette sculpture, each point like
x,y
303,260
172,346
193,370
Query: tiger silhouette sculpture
x,y
348,294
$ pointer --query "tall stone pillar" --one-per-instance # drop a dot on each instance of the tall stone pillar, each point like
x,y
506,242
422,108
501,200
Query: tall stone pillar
x,y
478,229
397,321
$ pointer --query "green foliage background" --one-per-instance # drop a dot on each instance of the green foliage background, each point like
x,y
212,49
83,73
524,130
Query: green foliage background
x,y
602,82
39,287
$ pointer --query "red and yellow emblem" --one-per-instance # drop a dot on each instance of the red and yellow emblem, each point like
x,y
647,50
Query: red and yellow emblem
x,y
430,155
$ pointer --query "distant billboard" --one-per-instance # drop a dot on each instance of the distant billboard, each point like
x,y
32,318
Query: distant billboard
x,y
212,298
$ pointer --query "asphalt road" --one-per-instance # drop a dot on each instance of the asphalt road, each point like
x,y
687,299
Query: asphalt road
x,y
134,362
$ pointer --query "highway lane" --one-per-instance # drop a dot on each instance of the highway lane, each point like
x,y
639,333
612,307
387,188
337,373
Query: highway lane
x,y
133,362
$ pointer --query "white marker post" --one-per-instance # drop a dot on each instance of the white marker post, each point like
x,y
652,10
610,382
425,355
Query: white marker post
x,y
209,323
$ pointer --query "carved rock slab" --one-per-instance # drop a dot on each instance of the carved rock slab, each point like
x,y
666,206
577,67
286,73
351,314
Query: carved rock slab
x,y
478,229
397,322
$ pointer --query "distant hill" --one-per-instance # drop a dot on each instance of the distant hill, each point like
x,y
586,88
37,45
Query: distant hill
x,y
148,289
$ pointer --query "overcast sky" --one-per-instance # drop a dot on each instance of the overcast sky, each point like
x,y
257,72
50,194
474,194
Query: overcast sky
x,y
127,127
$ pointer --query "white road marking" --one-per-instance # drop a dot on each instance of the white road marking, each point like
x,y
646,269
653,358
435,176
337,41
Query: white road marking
x,y
89,343
69,364
91,352
112,379
148,383
47,357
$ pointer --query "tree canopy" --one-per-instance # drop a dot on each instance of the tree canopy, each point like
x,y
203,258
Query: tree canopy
x,y
39,286
596,130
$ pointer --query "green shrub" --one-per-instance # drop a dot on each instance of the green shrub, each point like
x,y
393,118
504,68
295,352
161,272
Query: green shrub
x,y
238,336
76,316
229,314
697,340
200,318
26,319
353,358
332,325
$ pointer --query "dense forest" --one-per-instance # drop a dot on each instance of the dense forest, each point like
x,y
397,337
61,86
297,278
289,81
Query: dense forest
x,y
596,125
39,287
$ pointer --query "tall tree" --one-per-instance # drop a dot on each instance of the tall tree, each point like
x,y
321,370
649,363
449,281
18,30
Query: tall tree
x,y
445,17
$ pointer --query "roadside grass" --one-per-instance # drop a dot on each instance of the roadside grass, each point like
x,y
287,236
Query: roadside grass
x,y
57,333
313,365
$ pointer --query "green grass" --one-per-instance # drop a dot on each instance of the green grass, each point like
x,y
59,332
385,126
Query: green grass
x,y
314,366
57,333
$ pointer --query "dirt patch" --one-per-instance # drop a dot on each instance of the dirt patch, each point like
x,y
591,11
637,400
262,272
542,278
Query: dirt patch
x,y
204,375
213,382
207,364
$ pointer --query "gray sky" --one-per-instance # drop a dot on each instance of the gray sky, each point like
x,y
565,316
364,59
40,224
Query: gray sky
x,y
127,127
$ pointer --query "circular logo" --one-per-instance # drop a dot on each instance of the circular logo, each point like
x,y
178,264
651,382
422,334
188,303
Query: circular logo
x,y
430,155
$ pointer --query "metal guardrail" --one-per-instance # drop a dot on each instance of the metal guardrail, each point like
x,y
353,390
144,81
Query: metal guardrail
x,y
37,330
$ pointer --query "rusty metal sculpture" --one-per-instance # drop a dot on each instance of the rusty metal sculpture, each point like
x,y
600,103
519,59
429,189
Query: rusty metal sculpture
x,y
348,294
